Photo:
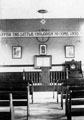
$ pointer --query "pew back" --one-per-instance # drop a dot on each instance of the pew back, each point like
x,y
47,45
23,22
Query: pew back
x,y
74,100
13,91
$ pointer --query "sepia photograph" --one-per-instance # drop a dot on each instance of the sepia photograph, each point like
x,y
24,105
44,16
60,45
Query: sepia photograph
x,y
69,51
16,52
43,49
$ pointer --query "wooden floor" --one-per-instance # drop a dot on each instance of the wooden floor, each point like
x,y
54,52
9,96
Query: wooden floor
x,y
45,107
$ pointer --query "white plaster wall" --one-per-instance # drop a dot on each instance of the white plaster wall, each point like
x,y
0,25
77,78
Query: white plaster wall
x,y
30,46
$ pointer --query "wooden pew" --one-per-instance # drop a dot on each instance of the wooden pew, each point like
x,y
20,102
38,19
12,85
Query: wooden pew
x,y
5,100
14,94
74,98
20,97
69,82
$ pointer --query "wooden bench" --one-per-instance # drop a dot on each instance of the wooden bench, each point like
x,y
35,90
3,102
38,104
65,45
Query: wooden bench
x,y
69,82
74,77
14,94
74,100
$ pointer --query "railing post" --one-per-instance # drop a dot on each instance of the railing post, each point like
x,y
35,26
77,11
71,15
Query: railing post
x,y
32,92
62,95
53,88
57,91
66,73
28,101
24,77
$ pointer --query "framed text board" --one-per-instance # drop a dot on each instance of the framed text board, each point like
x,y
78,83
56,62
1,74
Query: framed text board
x,y
42,61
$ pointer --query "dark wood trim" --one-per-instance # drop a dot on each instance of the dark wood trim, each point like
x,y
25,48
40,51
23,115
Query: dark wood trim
x,y
32,65
17,65
58,65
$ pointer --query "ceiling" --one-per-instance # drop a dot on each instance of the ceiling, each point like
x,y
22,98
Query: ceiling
x,y
27,9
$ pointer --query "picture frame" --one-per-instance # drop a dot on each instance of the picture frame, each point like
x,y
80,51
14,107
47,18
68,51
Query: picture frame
x,y
69,51
43,48
16,52
42,61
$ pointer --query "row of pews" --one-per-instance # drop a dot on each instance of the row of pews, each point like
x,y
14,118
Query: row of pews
x,y
74,104
14,91
72,90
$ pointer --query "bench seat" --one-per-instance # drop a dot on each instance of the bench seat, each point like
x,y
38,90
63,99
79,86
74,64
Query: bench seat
x,y
74,101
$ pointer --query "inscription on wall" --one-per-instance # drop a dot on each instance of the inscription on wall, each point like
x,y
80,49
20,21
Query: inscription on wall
x,y
41,34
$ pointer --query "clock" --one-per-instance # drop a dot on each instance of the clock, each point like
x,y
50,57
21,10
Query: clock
x,y
73,66
42,39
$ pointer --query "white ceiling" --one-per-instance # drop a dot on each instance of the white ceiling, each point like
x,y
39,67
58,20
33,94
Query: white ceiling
x,y
27,9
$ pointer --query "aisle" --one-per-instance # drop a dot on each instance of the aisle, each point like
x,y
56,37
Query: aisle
x,y
45,107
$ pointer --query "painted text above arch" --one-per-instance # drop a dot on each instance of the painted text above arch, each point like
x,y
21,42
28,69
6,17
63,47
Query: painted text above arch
x,y
41,34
